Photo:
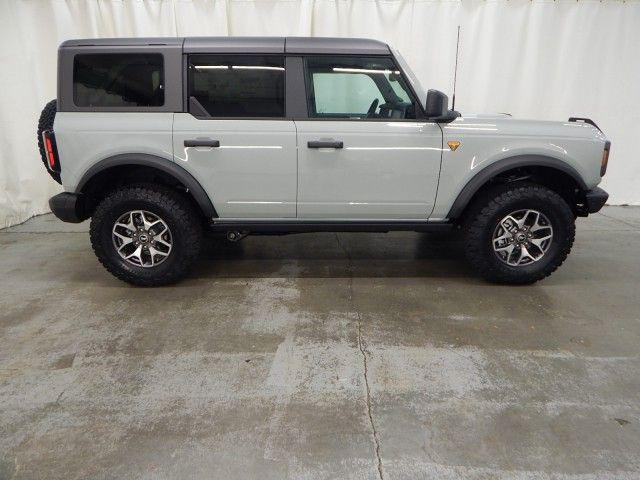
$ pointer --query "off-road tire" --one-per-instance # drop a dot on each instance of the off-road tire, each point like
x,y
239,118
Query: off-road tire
x,y
47,117
170,205
490,208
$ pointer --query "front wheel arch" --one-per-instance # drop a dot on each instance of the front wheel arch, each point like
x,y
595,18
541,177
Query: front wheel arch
x,y
543,170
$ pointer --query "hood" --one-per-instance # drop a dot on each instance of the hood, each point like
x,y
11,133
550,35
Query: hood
x,y
505,124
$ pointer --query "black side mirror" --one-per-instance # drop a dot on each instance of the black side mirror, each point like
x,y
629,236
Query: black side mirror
x,y
437,104
437,107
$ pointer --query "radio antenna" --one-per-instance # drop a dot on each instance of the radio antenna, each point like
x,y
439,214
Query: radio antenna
x,y
455,72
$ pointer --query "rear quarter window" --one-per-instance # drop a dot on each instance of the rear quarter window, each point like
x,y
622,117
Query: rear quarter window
x,y
118,80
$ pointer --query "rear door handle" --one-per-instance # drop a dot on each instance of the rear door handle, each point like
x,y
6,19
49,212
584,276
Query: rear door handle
x,y
325,144
202,142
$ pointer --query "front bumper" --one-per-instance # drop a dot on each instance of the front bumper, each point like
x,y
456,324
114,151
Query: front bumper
x,y
68,207
594,200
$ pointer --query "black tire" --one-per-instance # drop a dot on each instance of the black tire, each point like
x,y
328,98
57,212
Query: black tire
x,y
173,208
47,117
499,202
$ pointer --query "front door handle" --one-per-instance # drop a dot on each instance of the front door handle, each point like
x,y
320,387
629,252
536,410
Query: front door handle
x,y
325,144
202,142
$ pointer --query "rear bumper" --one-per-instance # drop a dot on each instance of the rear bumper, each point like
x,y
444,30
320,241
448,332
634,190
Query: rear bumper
x,y
594,200
68,207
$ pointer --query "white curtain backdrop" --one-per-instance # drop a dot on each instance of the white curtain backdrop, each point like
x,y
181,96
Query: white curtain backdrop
x,y
533,58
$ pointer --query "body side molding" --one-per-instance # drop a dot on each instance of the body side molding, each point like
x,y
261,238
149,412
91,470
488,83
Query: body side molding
x,y
487,173
162,164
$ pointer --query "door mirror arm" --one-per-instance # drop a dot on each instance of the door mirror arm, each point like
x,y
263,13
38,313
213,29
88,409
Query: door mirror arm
x,y
448,117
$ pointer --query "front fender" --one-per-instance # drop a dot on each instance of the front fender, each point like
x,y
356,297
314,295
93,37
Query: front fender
x,y
489,145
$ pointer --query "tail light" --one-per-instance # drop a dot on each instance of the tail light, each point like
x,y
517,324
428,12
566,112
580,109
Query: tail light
x,y
51,150
605,158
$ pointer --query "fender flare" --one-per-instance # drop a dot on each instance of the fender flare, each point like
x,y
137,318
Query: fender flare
x,y
500,166
159,163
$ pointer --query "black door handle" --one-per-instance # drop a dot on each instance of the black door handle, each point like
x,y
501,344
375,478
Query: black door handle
x,y
325,144
201,142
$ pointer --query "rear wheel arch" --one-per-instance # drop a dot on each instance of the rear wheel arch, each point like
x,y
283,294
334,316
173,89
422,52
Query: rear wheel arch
x,y
547,171
124,169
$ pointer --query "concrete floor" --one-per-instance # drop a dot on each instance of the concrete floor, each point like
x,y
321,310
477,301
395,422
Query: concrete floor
x,y
350,356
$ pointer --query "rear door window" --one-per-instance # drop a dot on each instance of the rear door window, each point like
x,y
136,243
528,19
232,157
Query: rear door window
x,y
241,86
118,80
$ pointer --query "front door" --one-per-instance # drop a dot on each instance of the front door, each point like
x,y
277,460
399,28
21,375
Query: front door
x,y
362,155
235,139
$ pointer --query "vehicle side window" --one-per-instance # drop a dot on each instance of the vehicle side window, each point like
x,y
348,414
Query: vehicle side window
x,y
118,80
357,88
238,86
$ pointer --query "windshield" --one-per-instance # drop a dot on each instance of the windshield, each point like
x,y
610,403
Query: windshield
x,y
413,80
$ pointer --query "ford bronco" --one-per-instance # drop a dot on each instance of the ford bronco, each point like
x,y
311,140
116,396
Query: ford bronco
x,y
160,140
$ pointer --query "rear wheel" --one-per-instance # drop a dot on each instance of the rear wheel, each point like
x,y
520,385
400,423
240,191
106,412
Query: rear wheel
x,y
146,235
519,234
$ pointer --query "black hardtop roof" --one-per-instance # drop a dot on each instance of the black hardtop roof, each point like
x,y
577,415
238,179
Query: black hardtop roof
x,y
301,45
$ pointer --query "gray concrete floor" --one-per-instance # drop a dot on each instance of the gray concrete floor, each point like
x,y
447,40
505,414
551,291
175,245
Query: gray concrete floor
x,y
345,356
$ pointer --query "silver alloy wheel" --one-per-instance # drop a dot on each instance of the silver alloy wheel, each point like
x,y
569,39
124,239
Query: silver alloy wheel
x,y
142,238
522,237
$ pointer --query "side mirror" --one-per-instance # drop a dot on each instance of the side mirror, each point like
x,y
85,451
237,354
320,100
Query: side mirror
x,y
437,107
437,104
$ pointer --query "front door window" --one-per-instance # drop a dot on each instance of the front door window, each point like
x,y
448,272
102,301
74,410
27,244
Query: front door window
x,y
357,88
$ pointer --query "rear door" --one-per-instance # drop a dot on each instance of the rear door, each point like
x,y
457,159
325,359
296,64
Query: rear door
x,y
235,139
362,152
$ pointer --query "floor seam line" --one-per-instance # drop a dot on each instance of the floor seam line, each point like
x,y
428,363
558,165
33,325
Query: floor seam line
x,y
374,431
376,440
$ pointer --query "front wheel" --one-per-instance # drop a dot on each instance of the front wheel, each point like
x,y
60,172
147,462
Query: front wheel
x,y
519,234
146,235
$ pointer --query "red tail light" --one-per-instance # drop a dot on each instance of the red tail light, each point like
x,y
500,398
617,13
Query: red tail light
x,y
605,158
50,150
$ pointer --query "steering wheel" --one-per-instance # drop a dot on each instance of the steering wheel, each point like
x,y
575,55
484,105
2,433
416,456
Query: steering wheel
x,y
372,109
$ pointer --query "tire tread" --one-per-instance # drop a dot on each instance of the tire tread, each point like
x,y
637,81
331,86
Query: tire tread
x,y
478,221
189,227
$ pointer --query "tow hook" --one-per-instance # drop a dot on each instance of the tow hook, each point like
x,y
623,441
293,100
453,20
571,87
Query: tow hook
x,y
235,235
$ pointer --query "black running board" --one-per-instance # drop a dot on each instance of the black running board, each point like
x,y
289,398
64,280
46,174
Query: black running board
x,y
302,226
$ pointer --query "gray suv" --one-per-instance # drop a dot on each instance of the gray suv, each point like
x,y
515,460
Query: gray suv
x,y
159,140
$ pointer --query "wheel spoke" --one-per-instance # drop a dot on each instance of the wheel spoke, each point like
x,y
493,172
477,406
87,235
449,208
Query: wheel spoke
x,y
159,234
122,237
127,226
124,226
146,224
137,253
153,223
539,241
509,223
155,251
525,219
498,242
161,241
538,226
508,250
125,240
524,254
135,217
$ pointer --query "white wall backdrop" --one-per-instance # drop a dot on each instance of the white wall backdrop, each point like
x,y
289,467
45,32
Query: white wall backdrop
x,y
533,58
